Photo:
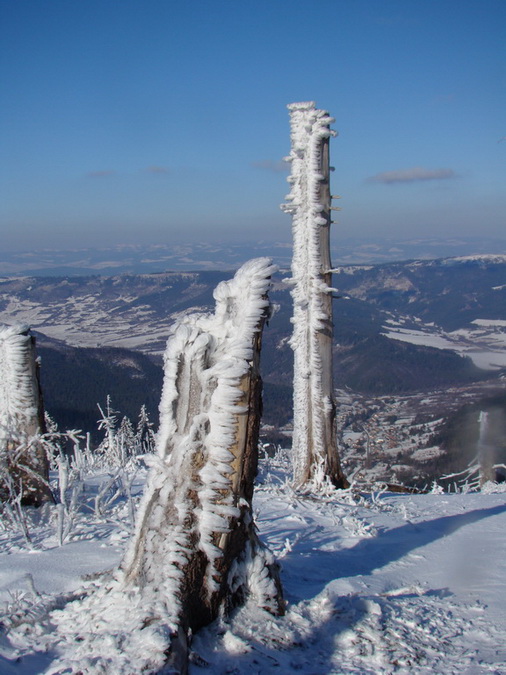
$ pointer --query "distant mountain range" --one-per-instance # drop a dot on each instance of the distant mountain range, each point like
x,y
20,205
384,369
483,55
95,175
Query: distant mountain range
x,y
136,259
400,327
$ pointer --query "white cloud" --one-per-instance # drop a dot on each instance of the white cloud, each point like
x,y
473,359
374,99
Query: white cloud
x,y
417,173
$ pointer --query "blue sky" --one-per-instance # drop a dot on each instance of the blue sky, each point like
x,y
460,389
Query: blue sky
x,y
159,121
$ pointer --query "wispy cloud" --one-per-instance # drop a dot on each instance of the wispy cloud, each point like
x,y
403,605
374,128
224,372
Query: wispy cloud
x,y
100,174
417,173
157,169
270,165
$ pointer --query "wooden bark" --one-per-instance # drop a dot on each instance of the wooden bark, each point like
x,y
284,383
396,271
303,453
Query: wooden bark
x,y
204,586
325,336
315,450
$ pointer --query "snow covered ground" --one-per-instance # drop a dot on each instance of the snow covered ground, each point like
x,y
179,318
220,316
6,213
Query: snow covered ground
x,y
484,342
376,583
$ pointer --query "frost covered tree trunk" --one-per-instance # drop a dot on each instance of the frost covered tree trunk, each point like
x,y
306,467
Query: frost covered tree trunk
x,y
24,469
196,536
315,449
195,551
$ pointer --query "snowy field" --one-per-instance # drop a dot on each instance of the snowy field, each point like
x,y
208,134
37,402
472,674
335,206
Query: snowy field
x,y
484,343
376,583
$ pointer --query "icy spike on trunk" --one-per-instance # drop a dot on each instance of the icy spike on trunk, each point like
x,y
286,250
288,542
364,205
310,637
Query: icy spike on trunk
x,y
24,468
195,550
316,457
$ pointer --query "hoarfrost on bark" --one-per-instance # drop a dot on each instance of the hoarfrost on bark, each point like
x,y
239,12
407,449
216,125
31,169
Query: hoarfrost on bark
x,y
18,397
195,548
23,462
314,411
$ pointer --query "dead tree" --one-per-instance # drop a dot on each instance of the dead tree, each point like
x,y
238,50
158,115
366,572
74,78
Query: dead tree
x,y
24,470
195,552
316,456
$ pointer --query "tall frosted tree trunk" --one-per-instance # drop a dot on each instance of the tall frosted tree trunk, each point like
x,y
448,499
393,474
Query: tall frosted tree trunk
x,y
195,552
24,470
315,451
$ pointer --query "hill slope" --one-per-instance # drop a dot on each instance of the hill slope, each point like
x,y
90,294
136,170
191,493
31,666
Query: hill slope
x,y
374,585
401,329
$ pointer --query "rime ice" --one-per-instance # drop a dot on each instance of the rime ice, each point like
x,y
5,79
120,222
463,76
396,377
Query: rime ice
x,y
23,462
314,438
195,549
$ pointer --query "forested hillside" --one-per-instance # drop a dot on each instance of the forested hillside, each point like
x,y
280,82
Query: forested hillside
x,y
401,330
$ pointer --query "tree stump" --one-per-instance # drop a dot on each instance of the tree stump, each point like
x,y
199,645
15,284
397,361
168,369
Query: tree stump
x,y
195,551
24,468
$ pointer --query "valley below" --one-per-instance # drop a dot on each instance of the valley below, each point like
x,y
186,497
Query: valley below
x,y
419,352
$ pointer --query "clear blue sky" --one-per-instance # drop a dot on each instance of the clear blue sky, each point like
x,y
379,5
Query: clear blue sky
x,y
156,121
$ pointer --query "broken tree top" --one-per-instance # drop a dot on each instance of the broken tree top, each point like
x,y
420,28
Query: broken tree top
x,y
306,120
307,106
308,127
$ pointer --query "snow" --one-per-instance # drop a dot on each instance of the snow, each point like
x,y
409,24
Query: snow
x,y
125,622
419,337
495,258
18,397
488,360
375,586
484,342
377,583
82,322
426,454
490,322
